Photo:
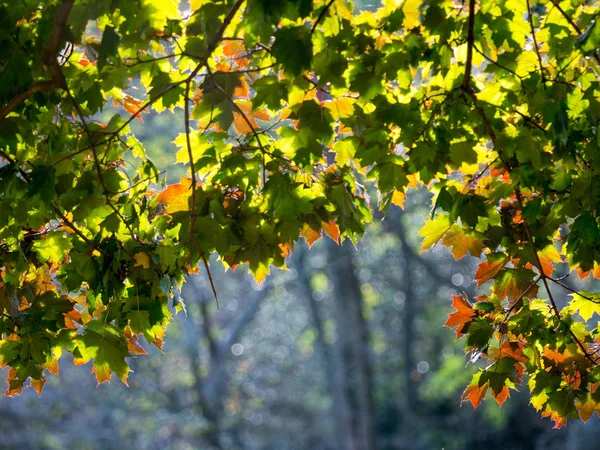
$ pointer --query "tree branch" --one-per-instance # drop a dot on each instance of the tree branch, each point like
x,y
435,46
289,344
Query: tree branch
x,y
535,44
218,37
244,319
572,23
321,15
470,44
34,88
51,52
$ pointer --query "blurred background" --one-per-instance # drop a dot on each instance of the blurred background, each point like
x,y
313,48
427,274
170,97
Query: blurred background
x,y
344,351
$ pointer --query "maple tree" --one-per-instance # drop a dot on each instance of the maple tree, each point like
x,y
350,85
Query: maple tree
x,y
288,107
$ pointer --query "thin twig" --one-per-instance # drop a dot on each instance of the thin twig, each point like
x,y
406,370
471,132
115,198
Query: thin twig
x,y
193,181
544,278
502,66
573,24
533,283
574,291
321,15
535,44
218,37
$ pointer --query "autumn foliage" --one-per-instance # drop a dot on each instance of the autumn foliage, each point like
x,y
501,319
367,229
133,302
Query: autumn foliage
x,y
290,112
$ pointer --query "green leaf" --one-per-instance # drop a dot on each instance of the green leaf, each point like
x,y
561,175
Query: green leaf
x,y
53,247
293,49
109,46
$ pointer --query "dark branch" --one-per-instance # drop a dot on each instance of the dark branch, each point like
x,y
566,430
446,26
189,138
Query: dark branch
x,y
470,44
321,15
38,86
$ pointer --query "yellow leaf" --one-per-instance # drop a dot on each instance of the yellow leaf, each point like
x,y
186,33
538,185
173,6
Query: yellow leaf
x,y
398,198
142,259
462,243
586,409
411,13
176,196
547,257
261,272
587,304
197,4
539,400
434,230
341,107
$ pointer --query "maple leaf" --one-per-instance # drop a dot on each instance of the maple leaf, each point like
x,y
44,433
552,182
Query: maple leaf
x,y
105,344
175,197
311,235
548,256
539,400
558,420
489,268
463,315
142,260
398,198
332,230
513,350
462,243
341,108
240,123
513,282
260,272
586,409
586,303
502,396
433,230
475,393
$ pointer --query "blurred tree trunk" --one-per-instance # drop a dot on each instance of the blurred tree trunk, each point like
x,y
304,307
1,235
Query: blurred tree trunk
x,y
338,413
211,389
353,345
409,312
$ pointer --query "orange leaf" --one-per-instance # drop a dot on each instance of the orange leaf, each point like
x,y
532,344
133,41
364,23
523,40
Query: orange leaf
x,y
286,249
332,230
233,48
583,274
596,271
52,366
547,257
464,313
240,123
586,409
559,421
462,243
38,385
310,234
556,356
71,317
513,350
475,393
176,196
490,267
133,344
502,396
243,90
102,372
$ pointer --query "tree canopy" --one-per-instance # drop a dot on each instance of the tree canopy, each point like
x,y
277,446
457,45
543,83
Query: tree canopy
x,y
289,112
